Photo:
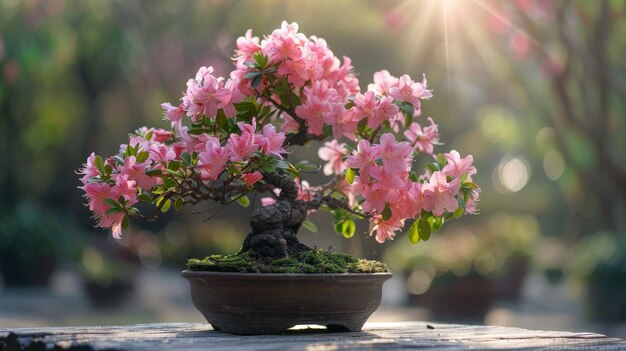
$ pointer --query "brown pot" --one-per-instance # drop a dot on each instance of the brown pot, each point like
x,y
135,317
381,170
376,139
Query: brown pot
x,y
251,303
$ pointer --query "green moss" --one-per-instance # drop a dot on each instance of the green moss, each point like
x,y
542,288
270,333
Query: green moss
x,y
312,261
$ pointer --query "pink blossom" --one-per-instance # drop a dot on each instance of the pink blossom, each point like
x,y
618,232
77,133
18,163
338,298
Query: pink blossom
x,y
363,158
247,46
439,195
396,156
285,43
333,152
89,169
213,159
471,206
160,135
289,125
388,179
457,166
228,96
385,110
125,187
241,146
162,153
251,178
272,142
423,139
95,193
386,229
343,122
377,196
410,91
201,97
266,201
383,81
136,171
365,104
174,114
318,103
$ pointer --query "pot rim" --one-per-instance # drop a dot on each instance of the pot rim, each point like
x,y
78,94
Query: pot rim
x,y
203,274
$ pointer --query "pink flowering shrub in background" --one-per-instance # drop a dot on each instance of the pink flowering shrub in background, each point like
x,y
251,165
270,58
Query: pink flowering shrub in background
x,y
286,90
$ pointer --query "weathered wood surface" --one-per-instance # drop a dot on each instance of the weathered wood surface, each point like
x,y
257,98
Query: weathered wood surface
x,y
375,336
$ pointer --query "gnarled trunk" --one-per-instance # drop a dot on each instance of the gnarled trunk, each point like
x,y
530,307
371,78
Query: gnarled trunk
x,y
274,227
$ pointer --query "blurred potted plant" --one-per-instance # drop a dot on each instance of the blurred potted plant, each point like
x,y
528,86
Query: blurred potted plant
x,y
600,261
232,148
463,271
31,244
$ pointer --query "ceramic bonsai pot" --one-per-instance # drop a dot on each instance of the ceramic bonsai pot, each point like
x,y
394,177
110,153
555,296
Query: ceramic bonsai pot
x,y
250,303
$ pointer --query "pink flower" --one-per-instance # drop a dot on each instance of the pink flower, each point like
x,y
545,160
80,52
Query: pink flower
x,y
332,152
89,169
125,187
365,104
289,125
285,43
160,135
136,171
423,139
174,114
377,196
201,96
213,159
228,96
471,206
266,201
162,153
386,229
95,193
383,81
272,142
439,195
247,46
241,146
457,166
396,156
343,122
318,103
363,159
251,178
385,110
410,91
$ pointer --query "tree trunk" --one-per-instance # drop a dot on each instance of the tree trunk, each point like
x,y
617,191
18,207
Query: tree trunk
x,y
274,227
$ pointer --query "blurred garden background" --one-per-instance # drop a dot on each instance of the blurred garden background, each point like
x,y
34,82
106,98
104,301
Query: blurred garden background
x,y
534,89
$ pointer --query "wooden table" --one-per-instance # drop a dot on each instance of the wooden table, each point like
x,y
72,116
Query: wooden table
x,y
375,336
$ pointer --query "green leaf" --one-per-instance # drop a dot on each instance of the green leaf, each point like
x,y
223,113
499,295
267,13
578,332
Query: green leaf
x,y
179,203
145,198
436,223
196,131
148,135
243,201
112,203
413,234
100,164
119,160
459,212
350,173
386,212
414,178
142,156
113,210
423,229
310,226
348,228
166,205
125,222
251,74
256,81
153,172
293,170
186,157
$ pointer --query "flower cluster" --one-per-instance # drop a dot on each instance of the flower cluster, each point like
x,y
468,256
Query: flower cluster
x,y
224,139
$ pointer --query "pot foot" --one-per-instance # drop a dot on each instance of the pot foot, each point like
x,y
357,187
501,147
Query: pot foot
x,y
351,326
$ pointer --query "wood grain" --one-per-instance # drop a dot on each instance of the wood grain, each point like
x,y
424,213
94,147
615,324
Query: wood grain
x,y
375,336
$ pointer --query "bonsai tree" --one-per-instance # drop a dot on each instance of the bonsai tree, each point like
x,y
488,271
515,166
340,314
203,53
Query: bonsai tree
x,y
233,136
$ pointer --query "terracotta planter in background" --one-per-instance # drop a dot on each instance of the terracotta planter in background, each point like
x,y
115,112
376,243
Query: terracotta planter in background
x,y
249,303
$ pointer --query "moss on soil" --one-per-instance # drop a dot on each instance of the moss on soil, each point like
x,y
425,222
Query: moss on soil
x,y
312,261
